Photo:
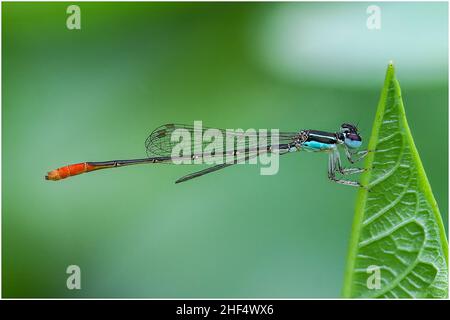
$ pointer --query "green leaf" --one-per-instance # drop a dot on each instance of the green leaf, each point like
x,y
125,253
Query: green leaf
x,y
397,234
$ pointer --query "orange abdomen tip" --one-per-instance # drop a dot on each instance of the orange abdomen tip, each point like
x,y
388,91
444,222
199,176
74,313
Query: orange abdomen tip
x,y
68,171
53,175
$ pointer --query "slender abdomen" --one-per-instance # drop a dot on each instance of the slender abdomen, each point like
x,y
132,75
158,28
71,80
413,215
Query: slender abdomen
x,y
79,168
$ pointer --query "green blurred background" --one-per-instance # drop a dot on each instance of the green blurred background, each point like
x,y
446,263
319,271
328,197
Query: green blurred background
x,y
95,94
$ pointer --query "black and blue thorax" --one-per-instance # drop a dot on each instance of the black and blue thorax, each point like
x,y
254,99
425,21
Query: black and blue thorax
x,y
316,141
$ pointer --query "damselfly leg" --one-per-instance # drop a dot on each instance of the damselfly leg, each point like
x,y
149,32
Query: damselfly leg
x,y
360,154
335,166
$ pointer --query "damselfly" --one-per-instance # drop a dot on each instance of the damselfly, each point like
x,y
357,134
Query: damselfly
x,y
160,145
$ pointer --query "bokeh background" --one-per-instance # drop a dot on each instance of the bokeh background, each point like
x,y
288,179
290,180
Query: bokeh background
x,y
95,94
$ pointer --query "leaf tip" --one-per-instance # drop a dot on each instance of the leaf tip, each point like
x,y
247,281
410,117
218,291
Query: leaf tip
x,y
391,65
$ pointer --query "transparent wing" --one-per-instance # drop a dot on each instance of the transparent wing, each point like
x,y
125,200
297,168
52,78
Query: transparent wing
x,y
159,142
282,149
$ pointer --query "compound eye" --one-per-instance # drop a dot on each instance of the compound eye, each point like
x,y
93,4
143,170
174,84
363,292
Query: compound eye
x,y
353,136
353,140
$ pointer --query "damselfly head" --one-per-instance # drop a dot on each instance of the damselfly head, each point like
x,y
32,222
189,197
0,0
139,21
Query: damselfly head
x,y
351,137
